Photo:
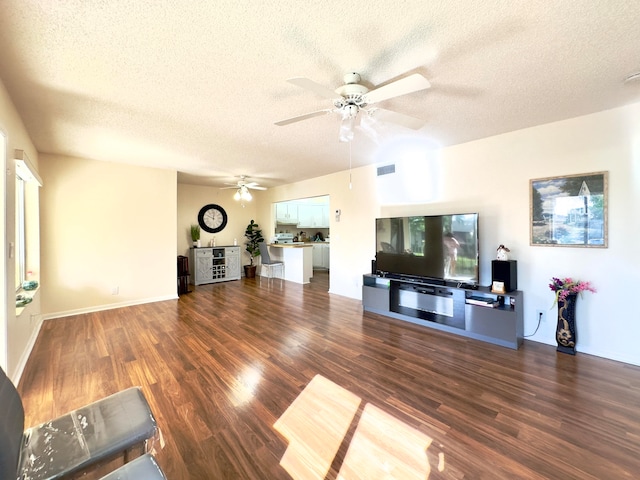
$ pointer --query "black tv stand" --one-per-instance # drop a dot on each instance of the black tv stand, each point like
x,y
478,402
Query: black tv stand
x,y
473,312
411,279
426,301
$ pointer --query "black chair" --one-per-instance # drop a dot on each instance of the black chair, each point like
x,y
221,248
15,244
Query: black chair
x,y
144,467
266,261
120,424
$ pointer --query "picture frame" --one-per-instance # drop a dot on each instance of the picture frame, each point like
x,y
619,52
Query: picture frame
x,y
569,210
497,287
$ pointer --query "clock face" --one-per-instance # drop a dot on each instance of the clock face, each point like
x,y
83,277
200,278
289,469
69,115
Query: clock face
x,y
212,218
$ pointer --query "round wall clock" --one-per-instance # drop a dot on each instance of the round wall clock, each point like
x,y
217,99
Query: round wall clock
x,y
212,218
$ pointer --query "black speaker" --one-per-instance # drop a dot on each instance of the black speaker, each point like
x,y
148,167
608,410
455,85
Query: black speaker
x,y
505,271
373,267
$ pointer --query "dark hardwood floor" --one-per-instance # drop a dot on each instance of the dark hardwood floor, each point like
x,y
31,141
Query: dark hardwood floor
x,y
221,365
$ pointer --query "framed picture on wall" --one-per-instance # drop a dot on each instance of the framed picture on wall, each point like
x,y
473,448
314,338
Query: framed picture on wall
x,y
569,211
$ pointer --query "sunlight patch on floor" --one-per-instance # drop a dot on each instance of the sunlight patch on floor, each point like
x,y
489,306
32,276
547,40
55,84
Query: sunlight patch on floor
x,y
382,447
315,424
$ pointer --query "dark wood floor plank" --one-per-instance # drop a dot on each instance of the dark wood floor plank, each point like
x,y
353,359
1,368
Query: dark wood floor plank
x,y
220,365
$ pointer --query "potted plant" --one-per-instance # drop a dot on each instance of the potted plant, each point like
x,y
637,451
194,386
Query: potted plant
x,y
195,235
253,234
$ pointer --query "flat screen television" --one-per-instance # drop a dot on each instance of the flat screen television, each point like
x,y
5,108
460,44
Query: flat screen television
x,y
441,248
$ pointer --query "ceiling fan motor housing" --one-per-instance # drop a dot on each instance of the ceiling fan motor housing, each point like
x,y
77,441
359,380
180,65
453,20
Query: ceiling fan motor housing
x,y
351,94
351,77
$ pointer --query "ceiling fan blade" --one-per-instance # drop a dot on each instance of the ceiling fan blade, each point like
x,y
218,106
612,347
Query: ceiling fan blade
x,y
307,84
397,118
254,185
410,84
303,117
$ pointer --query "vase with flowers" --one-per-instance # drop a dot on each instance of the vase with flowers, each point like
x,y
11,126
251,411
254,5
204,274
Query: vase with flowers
x,y
566,294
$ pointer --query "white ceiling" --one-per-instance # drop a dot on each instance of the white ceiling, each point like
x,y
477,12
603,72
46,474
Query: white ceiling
x,y
197,86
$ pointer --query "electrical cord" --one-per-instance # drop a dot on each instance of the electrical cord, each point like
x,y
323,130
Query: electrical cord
x,y
536,330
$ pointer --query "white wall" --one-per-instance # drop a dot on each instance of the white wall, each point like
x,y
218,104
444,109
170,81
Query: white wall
x,y
352,237
106,228
606,141
491,176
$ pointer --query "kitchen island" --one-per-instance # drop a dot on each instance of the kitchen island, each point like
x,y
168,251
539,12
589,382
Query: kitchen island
x,y
297,258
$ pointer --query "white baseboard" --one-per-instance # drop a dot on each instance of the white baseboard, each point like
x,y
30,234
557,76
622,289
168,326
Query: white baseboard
x,y
111,306
611,355
17,373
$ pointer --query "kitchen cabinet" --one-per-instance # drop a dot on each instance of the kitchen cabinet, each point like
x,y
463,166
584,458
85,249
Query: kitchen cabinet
x,y
321,255
317,256
287,213
214,264
313,216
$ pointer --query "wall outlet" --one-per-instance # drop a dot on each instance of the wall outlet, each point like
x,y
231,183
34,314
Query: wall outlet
x,y
540,315
115,291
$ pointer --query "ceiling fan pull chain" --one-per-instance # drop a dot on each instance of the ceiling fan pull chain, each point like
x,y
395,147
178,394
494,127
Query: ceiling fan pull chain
x,y
349,165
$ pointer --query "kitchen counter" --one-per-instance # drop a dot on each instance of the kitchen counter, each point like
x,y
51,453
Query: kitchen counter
x,y
290,245
297,258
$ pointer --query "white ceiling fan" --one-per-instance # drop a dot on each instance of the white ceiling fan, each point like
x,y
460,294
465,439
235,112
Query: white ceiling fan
x,y
242,188
243,183
353,98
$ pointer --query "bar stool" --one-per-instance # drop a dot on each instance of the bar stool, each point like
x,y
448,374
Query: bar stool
x,y
268,263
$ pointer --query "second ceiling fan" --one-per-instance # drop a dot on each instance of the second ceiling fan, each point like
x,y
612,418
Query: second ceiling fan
x,y
352,99
242,188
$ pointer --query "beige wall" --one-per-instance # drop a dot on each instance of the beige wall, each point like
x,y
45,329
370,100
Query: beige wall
x,y
16,333
106,227
191,198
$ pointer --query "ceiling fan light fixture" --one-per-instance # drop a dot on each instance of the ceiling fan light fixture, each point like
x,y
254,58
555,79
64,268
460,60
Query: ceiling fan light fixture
x,y
346,129
243,194
237,196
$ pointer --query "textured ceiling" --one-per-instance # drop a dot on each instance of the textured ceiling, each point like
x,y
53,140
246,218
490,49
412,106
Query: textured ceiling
x,y
197,86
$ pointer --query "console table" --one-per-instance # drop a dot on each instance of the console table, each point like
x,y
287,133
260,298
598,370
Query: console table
x,y
214,264
475,313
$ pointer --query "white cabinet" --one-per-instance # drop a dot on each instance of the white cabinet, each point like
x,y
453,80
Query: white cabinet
x,y
287,213
321,255
232,255
325,257
313,216
302,214
215,264
317,256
